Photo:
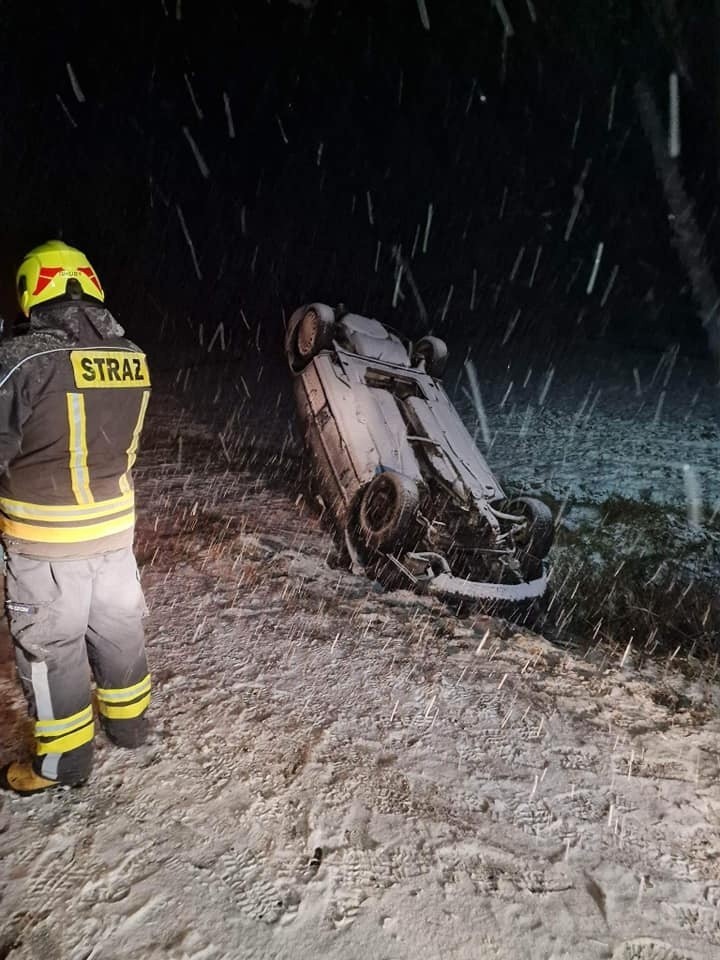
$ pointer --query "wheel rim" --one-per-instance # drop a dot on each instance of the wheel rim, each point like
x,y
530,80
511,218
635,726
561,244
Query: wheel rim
x,y
535,535
522,539
307,334
379,506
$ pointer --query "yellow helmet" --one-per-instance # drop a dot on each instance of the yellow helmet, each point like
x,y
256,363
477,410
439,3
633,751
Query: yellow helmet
x,y
54,271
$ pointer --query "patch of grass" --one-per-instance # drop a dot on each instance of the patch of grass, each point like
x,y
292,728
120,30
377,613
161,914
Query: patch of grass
x,y
635,570
623,605
622,510
655,516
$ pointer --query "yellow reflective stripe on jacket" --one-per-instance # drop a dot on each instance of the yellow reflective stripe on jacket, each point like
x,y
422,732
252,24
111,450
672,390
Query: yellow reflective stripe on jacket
x,y
124,693
51,728
79,476
38,534
20,510
132,449
126,711
70,741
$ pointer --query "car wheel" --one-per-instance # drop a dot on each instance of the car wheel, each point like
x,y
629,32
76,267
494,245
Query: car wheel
x,y
434,352
535,540
388,509
315,332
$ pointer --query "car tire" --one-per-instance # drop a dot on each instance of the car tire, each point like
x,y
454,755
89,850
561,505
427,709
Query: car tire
x,y
315,332
434,352
535,541
388,509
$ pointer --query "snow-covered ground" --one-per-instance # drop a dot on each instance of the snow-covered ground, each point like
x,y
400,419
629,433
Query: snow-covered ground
x,y
604,422
338,773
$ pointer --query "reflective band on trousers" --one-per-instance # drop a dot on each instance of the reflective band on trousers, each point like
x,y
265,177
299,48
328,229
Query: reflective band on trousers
x,y
63,734
124,703
54,727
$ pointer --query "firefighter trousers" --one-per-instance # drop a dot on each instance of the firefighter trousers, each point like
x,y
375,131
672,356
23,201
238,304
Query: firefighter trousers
x,y
72,621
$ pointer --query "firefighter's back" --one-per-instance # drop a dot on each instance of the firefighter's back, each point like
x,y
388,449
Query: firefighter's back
x,y
69,490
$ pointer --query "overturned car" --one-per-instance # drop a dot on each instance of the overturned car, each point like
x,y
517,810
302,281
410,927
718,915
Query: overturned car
x,y
410,498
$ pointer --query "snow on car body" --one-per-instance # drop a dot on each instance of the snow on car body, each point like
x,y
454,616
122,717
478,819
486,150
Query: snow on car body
x,y
408,492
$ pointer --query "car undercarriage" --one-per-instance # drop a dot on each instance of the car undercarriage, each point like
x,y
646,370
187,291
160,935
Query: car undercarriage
x,y
409,495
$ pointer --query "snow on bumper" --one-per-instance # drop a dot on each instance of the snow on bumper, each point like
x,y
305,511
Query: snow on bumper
x,y
446,583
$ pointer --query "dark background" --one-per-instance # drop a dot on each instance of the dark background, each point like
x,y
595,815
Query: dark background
x,y
343,100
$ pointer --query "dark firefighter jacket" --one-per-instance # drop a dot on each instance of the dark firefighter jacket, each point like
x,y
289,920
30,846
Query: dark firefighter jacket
x,y
73,396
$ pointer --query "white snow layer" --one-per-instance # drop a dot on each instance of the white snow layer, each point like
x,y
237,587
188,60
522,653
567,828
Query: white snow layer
x,y
336,773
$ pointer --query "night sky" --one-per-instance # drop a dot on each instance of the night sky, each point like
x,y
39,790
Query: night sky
x,y
226,162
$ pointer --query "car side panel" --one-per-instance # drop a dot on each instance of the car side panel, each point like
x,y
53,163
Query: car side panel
x,y
434,447
439,417
369,421
441,421
334,476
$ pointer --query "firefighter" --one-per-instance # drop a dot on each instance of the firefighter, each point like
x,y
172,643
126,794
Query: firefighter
x,y
73,397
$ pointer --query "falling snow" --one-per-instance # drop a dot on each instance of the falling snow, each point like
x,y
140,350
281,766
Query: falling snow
x,y
191,245
202,166
229,116
596,267
63,107
191,91
674,129
422,10
336,770
79,95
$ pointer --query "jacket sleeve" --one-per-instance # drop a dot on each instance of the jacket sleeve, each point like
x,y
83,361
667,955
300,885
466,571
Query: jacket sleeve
x,y
15,408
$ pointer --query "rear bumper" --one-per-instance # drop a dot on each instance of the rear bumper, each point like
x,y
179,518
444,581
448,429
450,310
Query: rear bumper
x,y
446,584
